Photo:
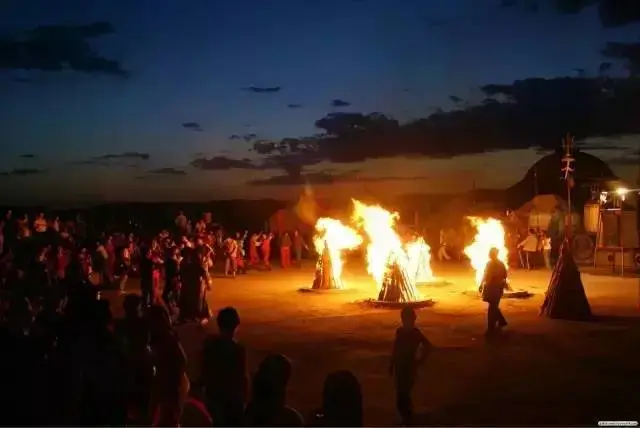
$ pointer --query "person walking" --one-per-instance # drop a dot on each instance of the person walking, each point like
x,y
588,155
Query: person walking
x,y
494,283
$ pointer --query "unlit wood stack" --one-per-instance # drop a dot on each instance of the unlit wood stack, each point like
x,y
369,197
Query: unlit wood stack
x,y
324,278
396,286
565,297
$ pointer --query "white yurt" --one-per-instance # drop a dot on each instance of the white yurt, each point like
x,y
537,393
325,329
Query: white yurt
x,y
538,212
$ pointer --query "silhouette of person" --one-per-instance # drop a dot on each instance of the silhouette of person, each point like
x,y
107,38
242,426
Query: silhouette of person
x,y
224,372
494,282
405,361
267,406
341,401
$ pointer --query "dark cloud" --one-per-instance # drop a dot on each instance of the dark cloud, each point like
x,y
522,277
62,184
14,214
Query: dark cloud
x,y
235,137
294,106
167,171
340,103
604,67
23,172
531,113
28,156
89,162
612,14
249,137
455,99
194,126
291,180
125,155
263,90
57,48
628,53
222,163
325,177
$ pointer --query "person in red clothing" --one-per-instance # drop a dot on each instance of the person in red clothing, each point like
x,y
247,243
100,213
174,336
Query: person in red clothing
x,y
157,262
266,249
285,251
254,257
111,258
62,261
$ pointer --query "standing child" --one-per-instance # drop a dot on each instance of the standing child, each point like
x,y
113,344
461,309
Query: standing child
x,y
405,360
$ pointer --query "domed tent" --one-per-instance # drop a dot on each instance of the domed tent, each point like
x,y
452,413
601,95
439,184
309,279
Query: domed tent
x,y
544,178
538,212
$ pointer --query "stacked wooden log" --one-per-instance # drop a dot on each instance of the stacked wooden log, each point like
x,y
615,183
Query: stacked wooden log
x,y
397,286
565,297
324,278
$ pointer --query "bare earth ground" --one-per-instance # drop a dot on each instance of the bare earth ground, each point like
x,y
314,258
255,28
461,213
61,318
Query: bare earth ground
x,y
539,372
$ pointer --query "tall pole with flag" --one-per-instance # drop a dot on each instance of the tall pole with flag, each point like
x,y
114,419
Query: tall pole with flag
x,y
565,297
567,170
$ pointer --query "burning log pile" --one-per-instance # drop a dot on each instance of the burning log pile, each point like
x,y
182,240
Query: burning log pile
x,y
388,261
324,277
565,298
490,233
332,239
396,286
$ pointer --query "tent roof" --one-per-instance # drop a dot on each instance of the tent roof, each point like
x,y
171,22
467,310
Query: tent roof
x,y
543,203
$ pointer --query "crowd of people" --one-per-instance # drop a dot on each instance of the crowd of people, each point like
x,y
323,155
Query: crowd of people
x,y
68,361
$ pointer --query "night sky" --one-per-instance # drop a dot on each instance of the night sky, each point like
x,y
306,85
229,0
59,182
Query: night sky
x,y
169,100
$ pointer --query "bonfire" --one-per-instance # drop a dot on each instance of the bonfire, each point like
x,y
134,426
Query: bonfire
x,y
387,260
419,258
489,234
331,240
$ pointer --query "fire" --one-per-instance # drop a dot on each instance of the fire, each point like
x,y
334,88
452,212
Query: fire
x,y
385,249
338,238
489,234
419,258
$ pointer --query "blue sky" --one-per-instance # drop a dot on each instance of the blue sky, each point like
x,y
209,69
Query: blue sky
x,y
189,61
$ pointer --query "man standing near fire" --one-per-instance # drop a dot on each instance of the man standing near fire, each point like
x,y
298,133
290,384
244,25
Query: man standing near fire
x,y
494,283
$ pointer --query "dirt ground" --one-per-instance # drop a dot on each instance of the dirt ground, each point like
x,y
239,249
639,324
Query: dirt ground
x,y
538,372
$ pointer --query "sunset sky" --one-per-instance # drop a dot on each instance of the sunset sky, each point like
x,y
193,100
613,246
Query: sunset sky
x,y
168,100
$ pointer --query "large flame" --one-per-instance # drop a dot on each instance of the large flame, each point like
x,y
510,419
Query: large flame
x,y
489,234
419,258
338,238
385,246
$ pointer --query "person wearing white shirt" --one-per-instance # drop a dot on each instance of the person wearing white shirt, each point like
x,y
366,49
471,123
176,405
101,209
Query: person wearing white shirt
x,y
529,246
546,250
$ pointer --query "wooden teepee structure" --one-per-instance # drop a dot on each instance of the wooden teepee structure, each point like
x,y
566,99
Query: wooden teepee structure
x,y
565,297
323,278
396,286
